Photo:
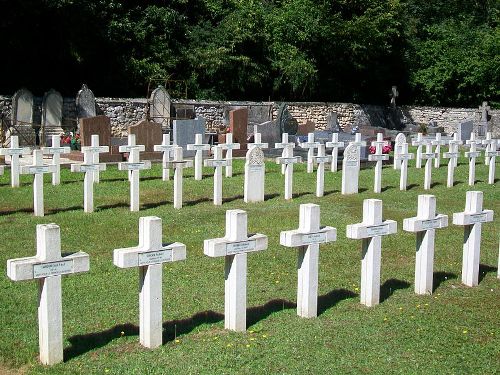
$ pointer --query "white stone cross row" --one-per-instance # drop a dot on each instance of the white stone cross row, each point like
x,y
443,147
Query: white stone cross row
x,y
95,150
403,156
472,154
428,155
419,142
453,155
284,144
257,139
424,225
379,157
178,164
234,247
149,256
472,219
38,168
129,147
307,238
335,145
217,162
491,154
56,150
14,151
320,160
288,160
438,142
199,147
134,165
310,145
47,267
166,147
491,145
229,146
370,231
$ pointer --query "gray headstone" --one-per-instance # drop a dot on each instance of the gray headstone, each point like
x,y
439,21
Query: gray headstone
x,y
270,132
52,114
285,120
332,122
159,110
85,103
464,130
22,117
184,132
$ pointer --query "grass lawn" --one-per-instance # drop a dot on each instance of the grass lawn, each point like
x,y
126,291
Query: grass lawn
x,y
454,331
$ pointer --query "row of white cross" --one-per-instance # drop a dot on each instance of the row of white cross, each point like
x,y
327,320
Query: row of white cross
x,y
48,265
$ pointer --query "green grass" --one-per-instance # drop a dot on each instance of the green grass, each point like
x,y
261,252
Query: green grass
x,y
454,331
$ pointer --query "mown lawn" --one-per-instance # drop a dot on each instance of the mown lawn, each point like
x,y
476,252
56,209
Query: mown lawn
x,y
454,331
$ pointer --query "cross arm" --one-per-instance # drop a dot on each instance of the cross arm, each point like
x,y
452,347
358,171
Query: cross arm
x,y
309,145
15,151
374,157
283,145
290,160
164,148
99,149
415,224
34,169
128,166
334,144
216,162
176,164
219,247
88,167
198,147
467,218
136,256
230,146
56,150
361,230
295,238
127,148
404,156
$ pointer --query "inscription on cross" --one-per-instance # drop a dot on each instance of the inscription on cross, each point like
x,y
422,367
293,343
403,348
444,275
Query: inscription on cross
x,y
14,151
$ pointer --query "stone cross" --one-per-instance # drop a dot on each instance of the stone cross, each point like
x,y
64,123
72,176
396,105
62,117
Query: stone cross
x,y
229,146
438,142
166,147
358,143
310,145
178,164
234,247
134,165
38,168
307,239
199,147
483,126
257,140
334,145
424,225
350,170
288,160
472,154
370,231
491,145
89,168
14,151
398,142
428,155
394,94
149,256
284,144
131,145
217,162
472,219
403,156
453,155
492,153
95,150
56,150
320,160
47,267
419,142
255,174
379,157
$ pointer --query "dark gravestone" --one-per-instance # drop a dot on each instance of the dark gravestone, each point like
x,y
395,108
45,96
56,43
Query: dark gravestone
x,y
101,126
332,123
149,134
285,121
85,103
238,122
305,129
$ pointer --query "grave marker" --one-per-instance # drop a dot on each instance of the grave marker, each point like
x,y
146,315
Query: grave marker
x,y
438,142
94,150
288,160
199,147
284,144
166,147
428,155
398,145
56,150
491,145
14,151
178,164
310,145
358,143
350,170
491,154
52,105
255,174
453,155
229,146
403,156
257,140
334,145
85,103
379,157
217,162
472,154
320,160
419,142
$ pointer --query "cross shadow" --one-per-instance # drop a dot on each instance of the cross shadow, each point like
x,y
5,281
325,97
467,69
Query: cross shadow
x,y
484,269
111,206
270,196
196,201
68,182
496,180
298,195
411,186
54,211
385,188
331,192
455,183
330,299
362,190
390,286
231,199
11,212
435,184
155,204
174,328
258,313
439,277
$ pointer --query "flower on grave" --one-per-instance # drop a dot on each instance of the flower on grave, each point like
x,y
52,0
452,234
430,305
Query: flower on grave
x,y
386,149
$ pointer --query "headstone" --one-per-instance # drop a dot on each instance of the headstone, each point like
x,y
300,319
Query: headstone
x,y
332,123
56,150
452,155
398,144
424,225
472,219
217,162
288,160
38,168
166,147
307,239
464,130
234,247
483,124
238,122
472,155
22,114
184,132
14,151
419,142
147,133
47,267
149,256
350,170
334,145
359,143
403,156
285,120
52,105
428,155
438,142
229,146
394,95
310,145
379,157
178,164
255,173
270,132
305,129
98,125
370,231
159,109
284,144
257,140
198,146
85,103
320,160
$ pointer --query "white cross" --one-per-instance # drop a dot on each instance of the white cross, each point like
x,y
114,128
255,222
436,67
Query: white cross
x,y
307,238
425,224
428,155
89,168
438,142
95,150
379,157
178,164
229,146
38,168
370,231
149,256
257,140
310,145
492,154
217,162
234,247
56,150
134,165
472,154
471,219
284,144
14,151
47,267
166,148
419,142
491,145
358,143
288,160
334,145
199,147
2,170
131,145
320,160
453,155
398,142
403,156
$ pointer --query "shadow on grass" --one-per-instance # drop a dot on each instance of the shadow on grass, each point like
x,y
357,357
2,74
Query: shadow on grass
x,y
68,182
270,196
484,269
111,206
298,195
329,192
258,313
362,190
385,188
330,299
11,212
390,286
196,201
434,184
411,186
125,178
439,277
455,183
231,199
54,211
155,204
81,344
